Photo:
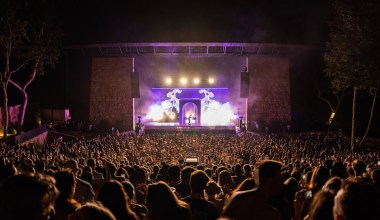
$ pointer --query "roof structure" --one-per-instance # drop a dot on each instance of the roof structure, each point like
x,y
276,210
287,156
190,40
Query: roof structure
x,y
189,49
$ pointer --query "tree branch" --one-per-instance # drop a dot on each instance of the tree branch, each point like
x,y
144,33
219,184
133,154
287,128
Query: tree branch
x,y
15,84
32,76
324,99
16,70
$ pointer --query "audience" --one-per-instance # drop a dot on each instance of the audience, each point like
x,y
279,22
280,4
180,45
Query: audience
x,y
139,177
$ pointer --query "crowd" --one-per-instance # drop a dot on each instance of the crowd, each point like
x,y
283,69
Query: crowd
x,y
146,177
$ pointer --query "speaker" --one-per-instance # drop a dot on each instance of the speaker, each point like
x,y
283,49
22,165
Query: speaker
x,y
244,84
135,85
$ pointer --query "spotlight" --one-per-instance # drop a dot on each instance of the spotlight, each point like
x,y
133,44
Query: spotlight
x,y
196,81
168,81
211,80
183,81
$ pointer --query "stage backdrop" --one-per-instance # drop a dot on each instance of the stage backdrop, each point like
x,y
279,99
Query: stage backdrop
x,y
268,99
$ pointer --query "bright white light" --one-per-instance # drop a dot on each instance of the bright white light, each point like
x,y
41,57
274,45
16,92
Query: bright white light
x,y
211,80
217,114
168,81
183,81
196,81
155,113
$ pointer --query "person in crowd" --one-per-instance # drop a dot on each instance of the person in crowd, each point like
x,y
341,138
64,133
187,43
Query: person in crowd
x,y
162,203
83,190
238,174
333,185
319,177
183,188
356,200
213,190
138,179
321,207
359,168
375,176
28,196
174,173
200,208
139,209
65,203
90,211
7,171
254,204
226,182
91,163
113,196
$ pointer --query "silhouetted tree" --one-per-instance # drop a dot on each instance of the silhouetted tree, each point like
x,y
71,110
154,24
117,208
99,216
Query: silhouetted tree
x,y
38,44
350,58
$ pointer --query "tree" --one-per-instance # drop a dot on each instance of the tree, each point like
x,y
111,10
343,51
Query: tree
x,y
37,49
12,35
333,105
350,63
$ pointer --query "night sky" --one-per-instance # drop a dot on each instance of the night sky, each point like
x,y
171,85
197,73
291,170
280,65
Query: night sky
x,y
118,21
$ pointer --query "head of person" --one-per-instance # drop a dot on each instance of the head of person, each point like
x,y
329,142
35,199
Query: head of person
x,y
269,175
375,176
225,180
186,173
212,189
91,211
174,173
113,196
356,200
129,189
198,181
333,185
28,196
72,165
91,163
65,184
359,167
321,207
319,177
161,201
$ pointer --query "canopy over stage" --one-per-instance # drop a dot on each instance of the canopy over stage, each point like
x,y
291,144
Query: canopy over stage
x,y
199,49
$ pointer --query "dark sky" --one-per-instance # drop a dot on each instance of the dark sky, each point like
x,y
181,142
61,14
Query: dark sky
x,y
118,21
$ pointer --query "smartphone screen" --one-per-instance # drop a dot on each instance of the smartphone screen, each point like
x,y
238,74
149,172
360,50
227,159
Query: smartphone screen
x,y
308,194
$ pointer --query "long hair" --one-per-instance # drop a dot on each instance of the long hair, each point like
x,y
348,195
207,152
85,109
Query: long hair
x,y
319,178
162,203
113,196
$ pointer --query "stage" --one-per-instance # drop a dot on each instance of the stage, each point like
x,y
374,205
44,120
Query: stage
x,y
177,127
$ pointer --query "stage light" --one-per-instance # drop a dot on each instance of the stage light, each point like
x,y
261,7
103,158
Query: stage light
x,y
196,81
169,81
211,80
183,81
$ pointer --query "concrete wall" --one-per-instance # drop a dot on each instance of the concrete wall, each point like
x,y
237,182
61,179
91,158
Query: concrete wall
x,y
110,96
269,93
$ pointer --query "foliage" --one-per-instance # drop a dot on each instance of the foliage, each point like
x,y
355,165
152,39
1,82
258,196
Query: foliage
x,y
29,41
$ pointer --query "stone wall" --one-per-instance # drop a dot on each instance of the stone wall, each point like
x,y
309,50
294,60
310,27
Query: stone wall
x,y
110,97
269,93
